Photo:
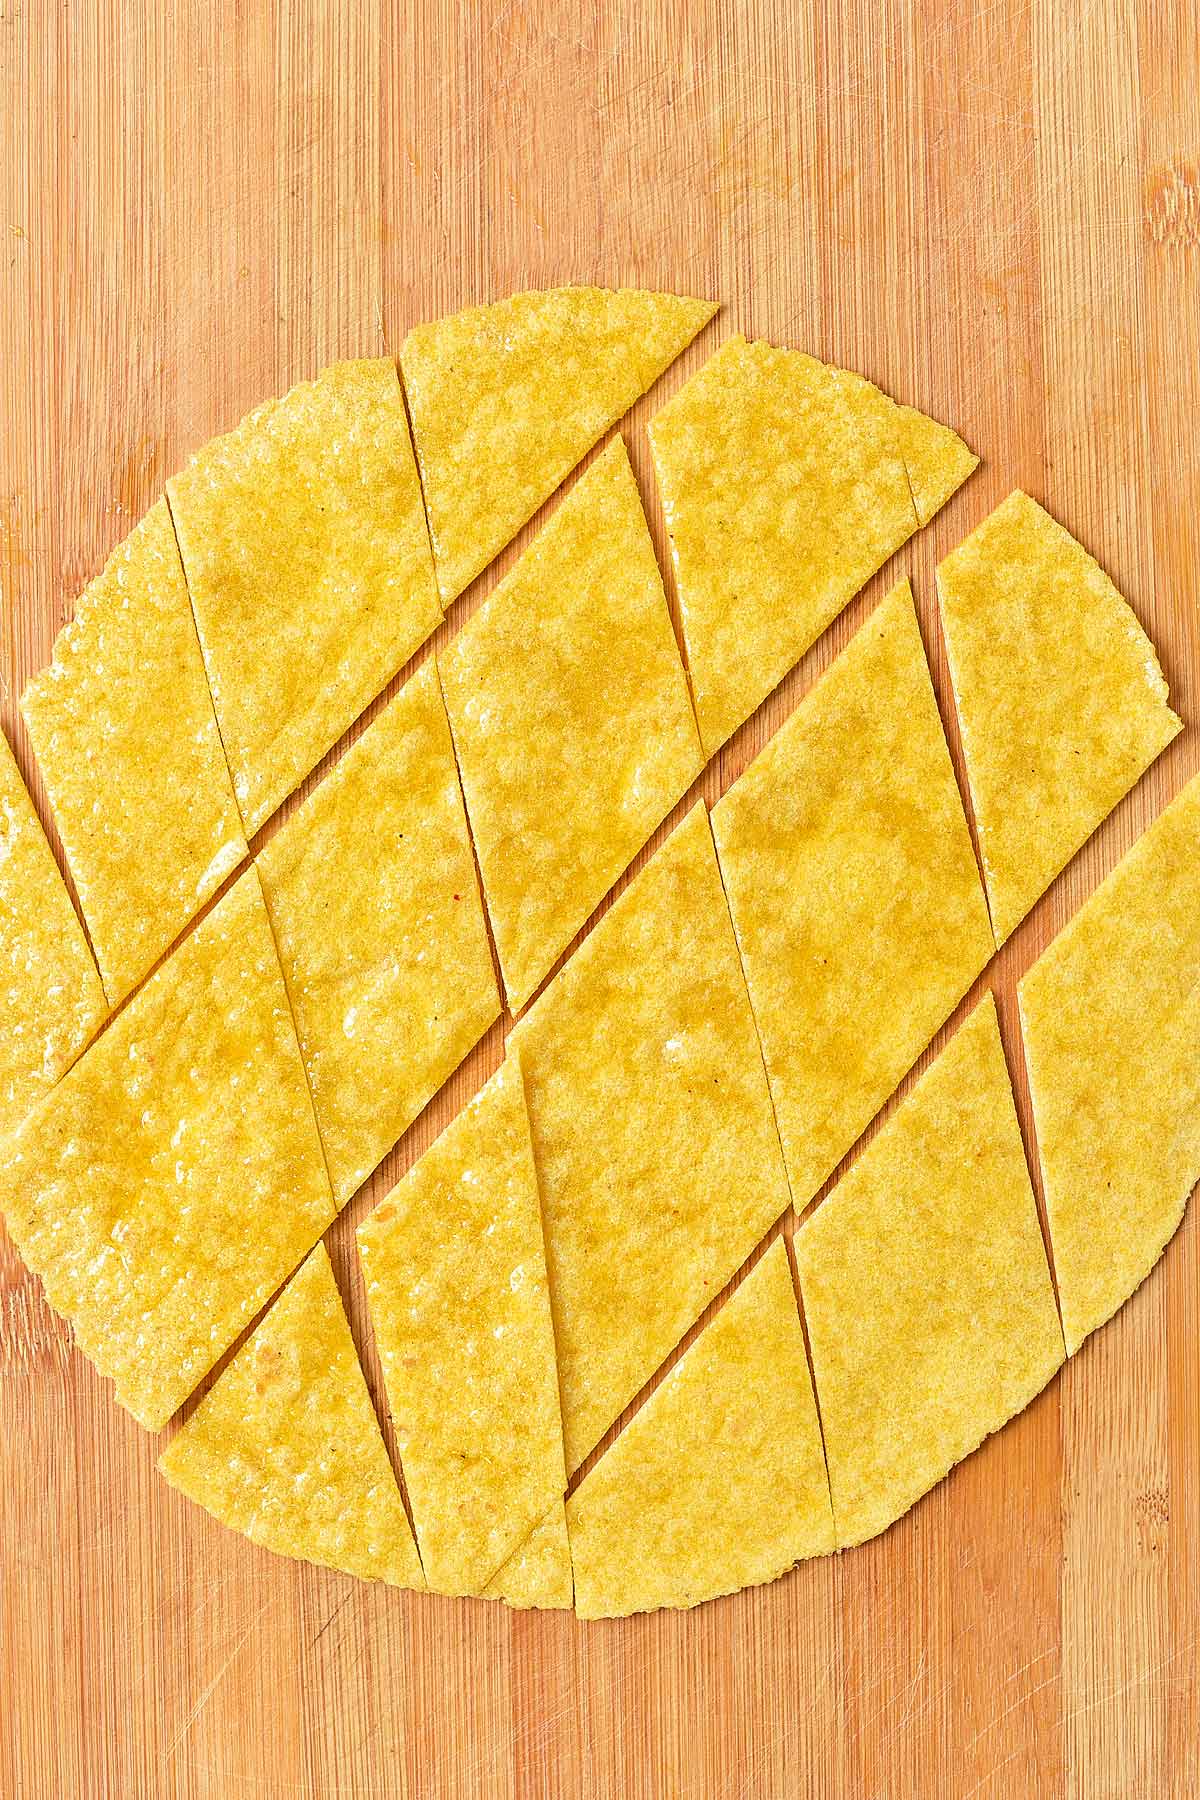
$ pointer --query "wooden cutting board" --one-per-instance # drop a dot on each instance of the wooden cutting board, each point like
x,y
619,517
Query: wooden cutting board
x,y
992,209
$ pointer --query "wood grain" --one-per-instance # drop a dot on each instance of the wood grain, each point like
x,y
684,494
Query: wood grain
x,y
992,208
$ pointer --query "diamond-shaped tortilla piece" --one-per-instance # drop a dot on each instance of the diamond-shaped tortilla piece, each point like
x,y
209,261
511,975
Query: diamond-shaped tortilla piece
x,y
308,563
854,891
373,897
1111,1020
926,1289
1060,697
286,1448
123,725
657,1156
718,1483
538,1573
505,399
937,460
456,1283
571,719
51,1001
785,488
174,1176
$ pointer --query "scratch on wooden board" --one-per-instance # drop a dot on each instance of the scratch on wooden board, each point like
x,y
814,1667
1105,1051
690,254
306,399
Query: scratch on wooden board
x,y
993,1772
340,1607
1142,1679
1022,1699
31,1336
913,1685
216,1681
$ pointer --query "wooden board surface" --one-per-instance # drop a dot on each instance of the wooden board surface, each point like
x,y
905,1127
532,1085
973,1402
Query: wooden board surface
x,y
994,210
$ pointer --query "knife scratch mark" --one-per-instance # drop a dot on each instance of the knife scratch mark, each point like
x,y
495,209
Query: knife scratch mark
x,y
214,1684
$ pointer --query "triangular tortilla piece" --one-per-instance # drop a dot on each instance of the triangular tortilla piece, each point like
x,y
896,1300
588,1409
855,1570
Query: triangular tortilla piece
x,y
718,1483
308,563
123,725
1060,697
656,1150
373,897
1111,1021
286,1448
538,1574
926,1290
937,460
571,719
174,1177
51,1000
785,488
505,399
854,891
456,1283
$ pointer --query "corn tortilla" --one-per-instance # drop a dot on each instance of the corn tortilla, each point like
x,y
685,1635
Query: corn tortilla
x,y
1111,1020
571,719
937,460
174,1176
505,399
926,1290
538,1573
1060,696
286,1448
375,905
854,891
123,725
785,488
718,1483
657,1157
456,1283
51,1000
308,563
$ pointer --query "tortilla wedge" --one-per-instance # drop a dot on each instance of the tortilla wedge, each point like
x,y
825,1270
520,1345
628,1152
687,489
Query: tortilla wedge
x,y
1060,697
571,719
123,725
926,1290
307,559
718,1483
51,1000
656,1151
505,399
286,1448
456,1284
174,1176
854,891
375,906
1110,1014
785,487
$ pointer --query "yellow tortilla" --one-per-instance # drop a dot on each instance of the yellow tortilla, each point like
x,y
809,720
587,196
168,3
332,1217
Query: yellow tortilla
x,y
174,1176
926,1290
124,730
718,1483
571,719
538,1574
854,891
1111,1020
308,562
657,1156
937,460
286,1447
456,1283
1060,697
51,1001
785,488
373,898
505,399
